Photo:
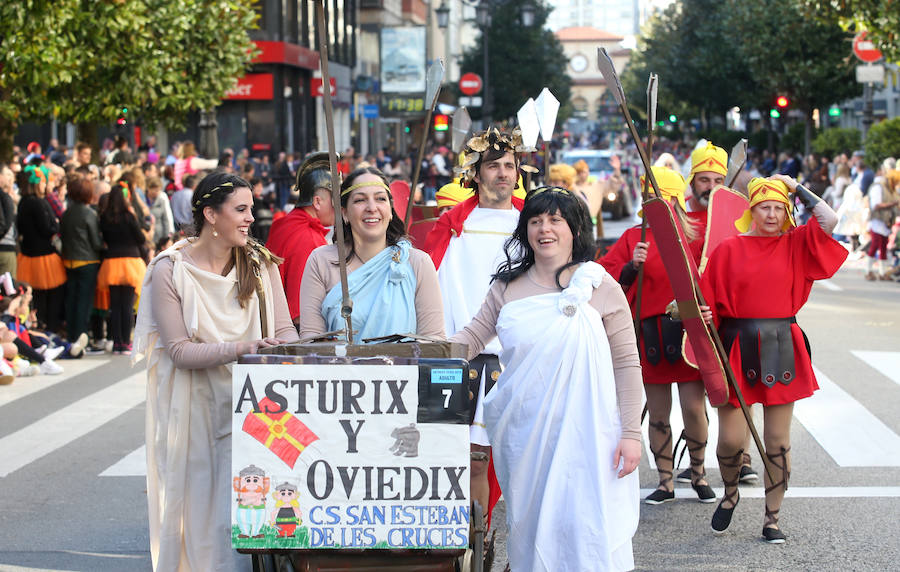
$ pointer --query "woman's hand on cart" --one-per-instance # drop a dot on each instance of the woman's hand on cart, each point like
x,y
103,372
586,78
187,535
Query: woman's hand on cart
x,y
628,454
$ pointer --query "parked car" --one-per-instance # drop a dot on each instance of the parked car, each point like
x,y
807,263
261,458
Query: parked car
x,y
598,161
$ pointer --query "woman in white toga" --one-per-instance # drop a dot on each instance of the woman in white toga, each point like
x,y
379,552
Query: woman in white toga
x,y
564,417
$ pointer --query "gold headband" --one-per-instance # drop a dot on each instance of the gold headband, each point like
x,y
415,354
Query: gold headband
x,y
209,194
380,184
554,189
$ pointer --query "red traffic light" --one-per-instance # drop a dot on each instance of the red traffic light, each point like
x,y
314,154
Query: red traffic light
x,y
782,101
441,122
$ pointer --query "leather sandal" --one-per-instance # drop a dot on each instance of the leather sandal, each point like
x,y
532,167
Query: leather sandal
x,y
662,493
721,518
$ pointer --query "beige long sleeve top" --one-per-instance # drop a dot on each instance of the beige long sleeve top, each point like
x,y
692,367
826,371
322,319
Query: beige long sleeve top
x,y
323,272
609,300
187,353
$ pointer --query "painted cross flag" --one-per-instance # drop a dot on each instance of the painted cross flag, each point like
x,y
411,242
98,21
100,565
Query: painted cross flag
x,y
281,433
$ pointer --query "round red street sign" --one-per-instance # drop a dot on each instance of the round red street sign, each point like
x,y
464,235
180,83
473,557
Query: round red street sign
x,y
470,83
865,50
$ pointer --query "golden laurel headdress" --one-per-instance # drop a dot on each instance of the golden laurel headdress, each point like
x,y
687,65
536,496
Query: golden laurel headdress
x,y
492,138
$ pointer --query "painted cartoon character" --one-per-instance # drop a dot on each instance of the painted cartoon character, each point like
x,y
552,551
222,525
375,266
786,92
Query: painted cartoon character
x,y
286,516
407,441
251,487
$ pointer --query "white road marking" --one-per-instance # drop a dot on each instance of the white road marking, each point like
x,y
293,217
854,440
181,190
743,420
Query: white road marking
x,y
827,283
848,432
69,423
888,363
685,492
134,464
25,386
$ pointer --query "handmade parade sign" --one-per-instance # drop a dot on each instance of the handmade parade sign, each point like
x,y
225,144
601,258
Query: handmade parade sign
x,y
328,456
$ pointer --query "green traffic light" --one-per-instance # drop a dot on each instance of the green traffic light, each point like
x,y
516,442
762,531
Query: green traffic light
x,y
834,112
673,119
774,113
661,123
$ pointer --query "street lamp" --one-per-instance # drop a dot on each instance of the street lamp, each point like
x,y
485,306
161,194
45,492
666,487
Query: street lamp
x,y
443,16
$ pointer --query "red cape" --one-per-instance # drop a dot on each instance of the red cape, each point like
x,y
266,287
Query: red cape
x,y
294,237
451,224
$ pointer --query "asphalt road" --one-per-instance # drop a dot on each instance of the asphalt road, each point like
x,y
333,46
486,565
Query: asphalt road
x,y
72,490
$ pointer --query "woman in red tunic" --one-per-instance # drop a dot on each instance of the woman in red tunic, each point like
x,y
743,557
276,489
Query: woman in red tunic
x,y
755,284
660,345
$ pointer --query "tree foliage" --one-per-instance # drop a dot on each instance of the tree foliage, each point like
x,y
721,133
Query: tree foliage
x,y
84,60
698,60
837,140
883,141
522,60
880,17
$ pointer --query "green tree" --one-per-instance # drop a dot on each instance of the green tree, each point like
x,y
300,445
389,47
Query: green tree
x,y
701,68
522,61
789,53
880,17
837,140
84,60
883,141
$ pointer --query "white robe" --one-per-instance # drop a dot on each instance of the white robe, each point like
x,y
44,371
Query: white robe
x,y
554,425
188,421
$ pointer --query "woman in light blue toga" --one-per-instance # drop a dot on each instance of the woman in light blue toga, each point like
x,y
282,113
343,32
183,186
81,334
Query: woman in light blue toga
x,y
393,286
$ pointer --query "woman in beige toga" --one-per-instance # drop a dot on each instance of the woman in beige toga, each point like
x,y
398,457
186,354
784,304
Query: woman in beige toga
x,y
207,300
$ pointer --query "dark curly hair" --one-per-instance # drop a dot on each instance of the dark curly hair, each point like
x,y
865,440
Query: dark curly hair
x,y
547,200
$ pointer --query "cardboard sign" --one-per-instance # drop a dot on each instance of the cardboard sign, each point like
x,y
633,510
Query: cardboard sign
x,y
350,456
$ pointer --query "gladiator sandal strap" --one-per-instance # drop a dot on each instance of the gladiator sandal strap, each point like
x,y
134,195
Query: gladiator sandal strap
x,y
665,429
746,459
692,446
771,517
785,473
732,462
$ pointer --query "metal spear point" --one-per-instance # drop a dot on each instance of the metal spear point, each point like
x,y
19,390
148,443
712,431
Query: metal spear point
x,y
462,124
605,65
433,79
346,302
737,162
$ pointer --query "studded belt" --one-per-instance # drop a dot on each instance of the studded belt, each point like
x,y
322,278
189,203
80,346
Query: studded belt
x,y
767,348
662,337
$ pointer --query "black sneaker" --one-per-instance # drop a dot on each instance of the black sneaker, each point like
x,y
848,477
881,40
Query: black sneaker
x,y
684,476
748,475
773,535
705,493
660,496
721,519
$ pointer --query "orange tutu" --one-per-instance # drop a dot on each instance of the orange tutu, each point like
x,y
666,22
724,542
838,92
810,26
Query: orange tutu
x,y
122,272
41,272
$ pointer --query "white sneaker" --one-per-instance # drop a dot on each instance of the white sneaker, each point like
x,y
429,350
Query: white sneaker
x,y
53,353
77,347
50,367
108,346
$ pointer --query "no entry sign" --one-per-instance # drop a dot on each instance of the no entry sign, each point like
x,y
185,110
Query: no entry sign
x,y
865,50
470,83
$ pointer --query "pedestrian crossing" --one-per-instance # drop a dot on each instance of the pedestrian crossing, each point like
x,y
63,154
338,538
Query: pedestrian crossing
x,y
841,425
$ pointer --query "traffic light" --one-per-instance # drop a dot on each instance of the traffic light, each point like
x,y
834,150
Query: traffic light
x,y
834,111
774,113
123,116
673,119
441,122
782,101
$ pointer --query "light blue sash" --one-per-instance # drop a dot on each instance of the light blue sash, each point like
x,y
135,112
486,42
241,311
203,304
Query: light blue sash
x,y
383,291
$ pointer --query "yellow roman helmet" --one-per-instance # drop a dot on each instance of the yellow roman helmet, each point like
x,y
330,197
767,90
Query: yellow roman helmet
x,y
452,194
766,190
561,175
709,158
671,185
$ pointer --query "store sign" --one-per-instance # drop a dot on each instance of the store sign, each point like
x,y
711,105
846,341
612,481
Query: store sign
x,y
253,86
286,53
315,87
349,456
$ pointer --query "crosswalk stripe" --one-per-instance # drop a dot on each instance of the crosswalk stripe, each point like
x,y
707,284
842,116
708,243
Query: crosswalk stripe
x,y
796,492
848,432
69,423
25,386
134,464
830,285
888,363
